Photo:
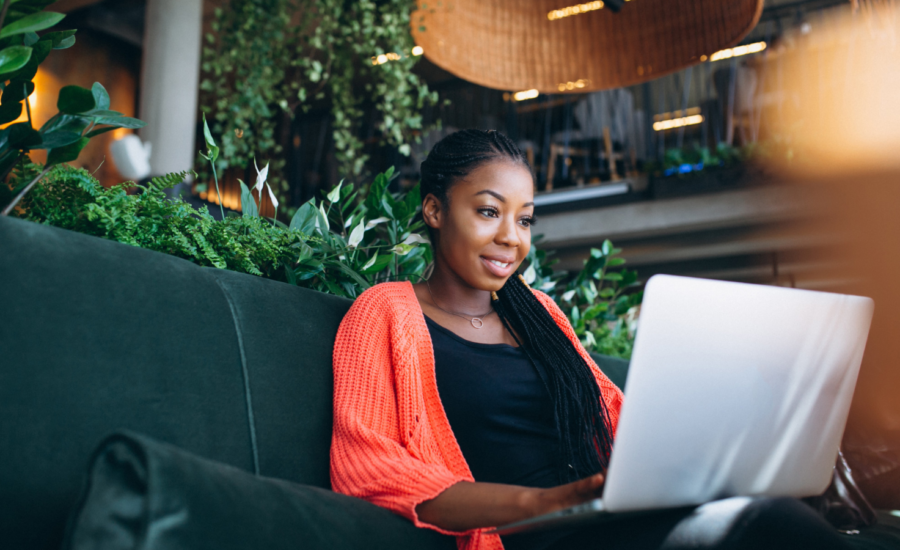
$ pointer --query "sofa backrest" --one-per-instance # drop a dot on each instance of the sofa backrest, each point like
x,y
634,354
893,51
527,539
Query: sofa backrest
x,y
98,336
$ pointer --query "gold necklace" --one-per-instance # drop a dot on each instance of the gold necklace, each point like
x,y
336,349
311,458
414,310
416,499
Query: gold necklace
x,y
472,320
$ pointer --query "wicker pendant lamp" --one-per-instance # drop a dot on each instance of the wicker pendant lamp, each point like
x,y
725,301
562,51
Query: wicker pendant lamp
x,y
559,46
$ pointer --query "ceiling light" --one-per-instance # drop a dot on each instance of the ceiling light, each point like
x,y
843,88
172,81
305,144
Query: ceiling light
x,y
677,122
737,51
527,94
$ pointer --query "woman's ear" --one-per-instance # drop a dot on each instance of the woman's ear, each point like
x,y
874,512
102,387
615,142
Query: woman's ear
x,y
432,211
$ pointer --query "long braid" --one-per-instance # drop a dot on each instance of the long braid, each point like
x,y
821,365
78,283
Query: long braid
x,y
580,414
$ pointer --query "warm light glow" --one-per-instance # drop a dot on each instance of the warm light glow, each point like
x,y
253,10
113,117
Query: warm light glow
x,y
527,94
575,10
393,56
737,51
580,83
677,122
676,114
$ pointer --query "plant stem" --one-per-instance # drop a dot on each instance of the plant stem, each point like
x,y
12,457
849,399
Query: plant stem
x,y
27,105
22,193
3,12
218,194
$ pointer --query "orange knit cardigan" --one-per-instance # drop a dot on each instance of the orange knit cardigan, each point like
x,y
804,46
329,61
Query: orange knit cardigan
x,y
392,444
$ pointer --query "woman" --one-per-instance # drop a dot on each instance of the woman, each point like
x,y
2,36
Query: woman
x,y
467,402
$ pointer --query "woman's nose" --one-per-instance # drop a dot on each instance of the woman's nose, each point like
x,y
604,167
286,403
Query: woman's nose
x,y
507,234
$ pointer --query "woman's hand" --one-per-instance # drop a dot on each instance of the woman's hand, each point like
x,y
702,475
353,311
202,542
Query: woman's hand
x,y
564,496
467,505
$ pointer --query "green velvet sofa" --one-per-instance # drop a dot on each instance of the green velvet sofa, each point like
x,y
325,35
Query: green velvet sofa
x,y
98,337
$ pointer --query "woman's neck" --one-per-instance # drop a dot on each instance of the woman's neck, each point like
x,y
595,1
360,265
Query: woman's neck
x,y
452,293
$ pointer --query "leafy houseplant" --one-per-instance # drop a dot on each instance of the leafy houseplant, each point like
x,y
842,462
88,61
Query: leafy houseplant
x,y
603,315
341,245
83,113
265,60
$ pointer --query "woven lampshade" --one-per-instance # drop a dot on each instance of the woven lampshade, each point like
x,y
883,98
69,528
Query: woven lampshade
x,y
515,45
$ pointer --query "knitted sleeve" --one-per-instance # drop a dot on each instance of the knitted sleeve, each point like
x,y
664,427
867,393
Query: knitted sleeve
x,y
377,452
611,394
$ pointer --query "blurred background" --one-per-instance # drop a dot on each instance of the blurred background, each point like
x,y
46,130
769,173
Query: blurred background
x,y
752,140
666,168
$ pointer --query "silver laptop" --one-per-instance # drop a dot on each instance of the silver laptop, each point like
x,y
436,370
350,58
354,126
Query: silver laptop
x,y
733,389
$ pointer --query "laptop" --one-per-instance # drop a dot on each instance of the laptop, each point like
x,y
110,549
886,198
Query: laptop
x,y
733,390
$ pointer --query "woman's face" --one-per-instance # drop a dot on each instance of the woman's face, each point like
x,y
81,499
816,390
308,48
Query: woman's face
x,y
484,232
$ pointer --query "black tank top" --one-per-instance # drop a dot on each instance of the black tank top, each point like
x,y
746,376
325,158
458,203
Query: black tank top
x,y
499,410
502,417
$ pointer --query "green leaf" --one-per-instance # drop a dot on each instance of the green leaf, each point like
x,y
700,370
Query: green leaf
x,y
30,38
376,192
17,91
101,96
14,58
248,205
39,53
213,150
10,112
613,277
75,100
58,38
68,123
370,263
357,278
98,131
54,140
66,154
23,136
65,43
122,122
628,277
380,262
413,199
32,23
304,219
614,262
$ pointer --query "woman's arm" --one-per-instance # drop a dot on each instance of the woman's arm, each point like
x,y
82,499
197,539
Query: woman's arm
x,y
466,505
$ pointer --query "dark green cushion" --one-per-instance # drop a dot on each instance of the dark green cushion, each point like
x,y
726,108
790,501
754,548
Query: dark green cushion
x,y
614,368
148,495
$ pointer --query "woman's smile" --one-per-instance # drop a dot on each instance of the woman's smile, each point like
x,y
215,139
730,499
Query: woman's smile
x,y
500,267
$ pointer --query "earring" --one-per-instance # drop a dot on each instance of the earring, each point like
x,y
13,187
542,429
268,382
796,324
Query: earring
x,y
494,296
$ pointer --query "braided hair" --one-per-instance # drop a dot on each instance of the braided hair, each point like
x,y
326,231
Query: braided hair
x,y
582,421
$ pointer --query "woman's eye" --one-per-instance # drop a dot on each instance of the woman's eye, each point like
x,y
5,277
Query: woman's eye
x,y
528,222
489,212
